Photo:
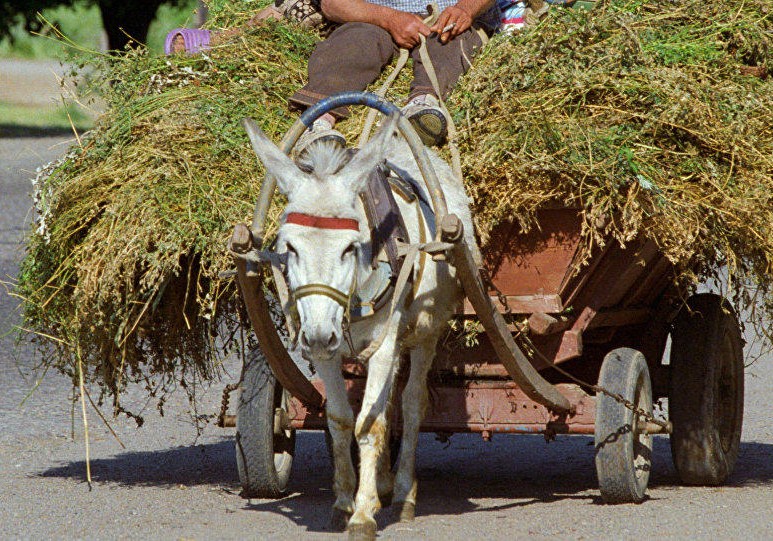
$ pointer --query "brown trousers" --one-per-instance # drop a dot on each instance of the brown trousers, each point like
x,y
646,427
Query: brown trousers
x,y
352,57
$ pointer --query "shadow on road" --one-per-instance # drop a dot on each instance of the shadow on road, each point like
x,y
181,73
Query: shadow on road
x,y
210,464
520,469
8,131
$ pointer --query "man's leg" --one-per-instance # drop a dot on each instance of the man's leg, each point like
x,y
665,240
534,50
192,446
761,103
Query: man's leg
x,y
449,60
350,59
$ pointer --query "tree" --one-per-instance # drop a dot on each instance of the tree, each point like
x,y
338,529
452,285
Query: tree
x,y
125,21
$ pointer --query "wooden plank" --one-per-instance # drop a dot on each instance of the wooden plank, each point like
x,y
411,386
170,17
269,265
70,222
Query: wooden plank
x,y
537,261
658,278
570,347
522,304
474,406
511,356
620,317
544,324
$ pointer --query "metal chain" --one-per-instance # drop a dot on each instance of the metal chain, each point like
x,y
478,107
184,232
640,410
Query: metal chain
x,y
224,402
595,388
485,275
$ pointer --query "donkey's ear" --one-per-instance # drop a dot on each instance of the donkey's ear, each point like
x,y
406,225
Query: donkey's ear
x,y
356,172
277,163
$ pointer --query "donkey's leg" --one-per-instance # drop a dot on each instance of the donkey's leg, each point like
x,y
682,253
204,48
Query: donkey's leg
x,y
340,421
372,431
384,478
414,404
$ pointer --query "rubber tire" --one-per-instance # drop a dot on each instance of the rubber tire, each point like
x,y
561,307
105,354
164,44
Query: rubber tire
x,y
623,454
264,459
706,391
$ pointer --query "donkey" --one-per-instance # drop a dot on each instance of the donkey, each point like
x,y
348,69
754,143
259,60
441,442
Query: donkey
x,y
325,235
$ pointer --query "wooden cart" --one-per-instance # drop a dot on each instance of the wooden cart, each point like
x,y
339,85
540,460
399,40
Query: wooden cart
x,y
606,321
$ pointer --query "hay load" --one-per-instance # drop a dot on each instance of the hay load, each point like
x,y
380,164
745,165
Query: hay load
x,y
644,116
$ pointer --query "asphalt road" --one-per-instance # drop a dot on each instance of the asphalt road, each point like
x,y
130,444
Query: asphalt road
x,y
171,483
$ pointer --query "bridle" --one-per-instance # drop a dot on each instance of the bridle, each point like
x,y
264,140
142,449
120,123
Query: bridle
x,y
338,296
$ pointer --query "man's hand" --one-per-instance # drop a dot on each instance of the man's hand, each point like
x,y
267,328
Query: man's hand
x,y
455,17
405,28
460,16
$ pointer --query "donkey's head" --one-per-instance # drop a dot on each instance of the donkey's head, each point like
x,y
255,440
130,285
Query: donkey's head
x,y
323,231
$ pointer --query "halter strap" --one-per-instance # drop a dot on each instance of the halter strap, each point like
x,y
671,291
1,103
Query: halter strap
x,y
322,222
322,289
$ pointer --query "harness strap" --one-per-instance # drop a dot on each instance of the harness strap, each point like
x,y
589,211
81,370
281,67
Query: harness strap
x,y
322,222
386,223
381,92
324,290
398,299
284,298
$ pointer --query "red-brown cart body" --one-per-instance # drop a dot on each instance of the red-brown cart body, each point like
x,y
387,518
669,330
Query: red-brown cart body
x,y
622,296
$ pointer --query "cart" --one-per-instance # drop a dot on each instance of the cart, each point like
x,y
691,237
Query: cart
x,y
568,346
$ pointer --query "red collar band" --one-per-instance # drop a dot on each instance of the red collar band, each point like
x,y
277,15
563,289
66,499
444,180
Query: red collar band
x,y
322,222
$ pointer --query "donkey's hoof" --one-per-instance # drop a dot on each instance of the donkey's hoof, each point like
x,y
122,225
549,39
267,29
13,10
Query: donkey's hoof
x,y
339,519
362,531
407,511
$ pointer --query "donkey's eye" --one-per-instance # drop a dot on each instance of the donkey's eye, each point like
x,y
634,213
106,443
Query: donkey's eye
x,y
348,250
291,249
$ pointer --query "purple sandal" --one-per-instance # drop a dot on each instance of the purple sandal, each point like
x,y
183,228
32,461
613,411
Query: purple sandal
x,y
195,40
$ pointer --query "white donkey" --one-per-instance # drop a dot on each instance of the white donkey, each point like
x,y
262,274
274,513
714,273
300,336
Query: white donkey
x,y
328,242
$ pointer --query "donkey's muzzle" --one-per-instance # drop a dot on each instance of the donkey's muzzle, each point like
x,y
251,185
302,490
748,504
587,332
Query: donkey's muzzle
x,y
319,343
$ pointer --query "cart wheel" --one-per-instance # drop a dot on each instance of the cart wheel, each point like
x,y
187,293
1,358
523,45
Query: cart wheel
x,y
705,398
623,451
264,455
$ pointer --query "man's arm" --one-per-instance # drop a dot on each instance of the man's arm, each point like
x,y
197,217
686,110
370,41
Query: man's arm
x,y
403,27
460,16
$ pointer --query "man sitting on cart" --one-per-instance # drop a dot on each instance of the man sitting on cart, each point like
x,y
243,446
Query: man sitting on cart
x,y
372,32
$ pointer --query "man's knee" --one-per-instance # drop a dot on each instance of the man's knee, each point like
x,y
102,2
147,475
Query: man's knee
x,y
359,37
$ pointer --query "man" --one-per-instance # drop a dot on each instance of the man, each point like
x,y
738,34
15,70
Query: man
x,y
371,33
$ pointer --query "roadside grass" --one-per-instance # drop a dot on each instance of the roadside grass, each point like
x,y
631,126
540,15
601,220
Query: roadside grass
x,y
19,119
83,26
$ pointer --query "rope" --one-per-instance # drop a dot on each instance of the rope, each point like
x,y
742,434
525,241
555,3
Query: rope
x,y
402,60
381,92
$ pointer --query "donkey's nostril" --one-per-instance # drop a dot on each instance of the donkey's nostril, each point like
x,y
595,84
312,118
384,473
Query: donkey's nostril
x,y
332,343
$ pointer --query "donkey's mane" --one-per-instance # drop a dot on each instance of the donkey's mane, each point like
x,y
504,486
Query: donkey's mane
x,y
323,158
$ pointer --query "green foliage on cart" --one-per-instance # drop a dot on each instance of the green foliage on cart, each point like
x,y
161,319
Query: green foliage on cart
x,y
653,119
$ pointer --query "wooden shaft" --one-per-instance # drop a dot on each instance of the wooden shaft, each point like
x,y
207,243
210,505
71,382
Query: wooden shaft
x,y
510,355
286,371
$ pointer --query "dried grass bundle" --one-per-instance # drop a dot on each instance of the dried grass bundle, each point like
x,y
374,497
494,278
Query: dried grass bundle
x,y
638,113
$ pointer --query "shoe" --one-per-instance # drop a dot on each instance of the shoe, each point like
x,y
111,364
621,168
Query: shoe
x,y
426,117
320,132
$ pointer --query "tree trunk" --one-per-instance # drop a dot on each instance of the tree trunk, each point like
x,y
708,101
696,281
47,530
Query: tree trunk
x,y
127,23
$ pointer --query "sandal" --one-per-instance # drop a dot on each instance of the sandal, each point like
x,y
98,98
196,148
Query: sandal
x,y
195,40
426,117
187,40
